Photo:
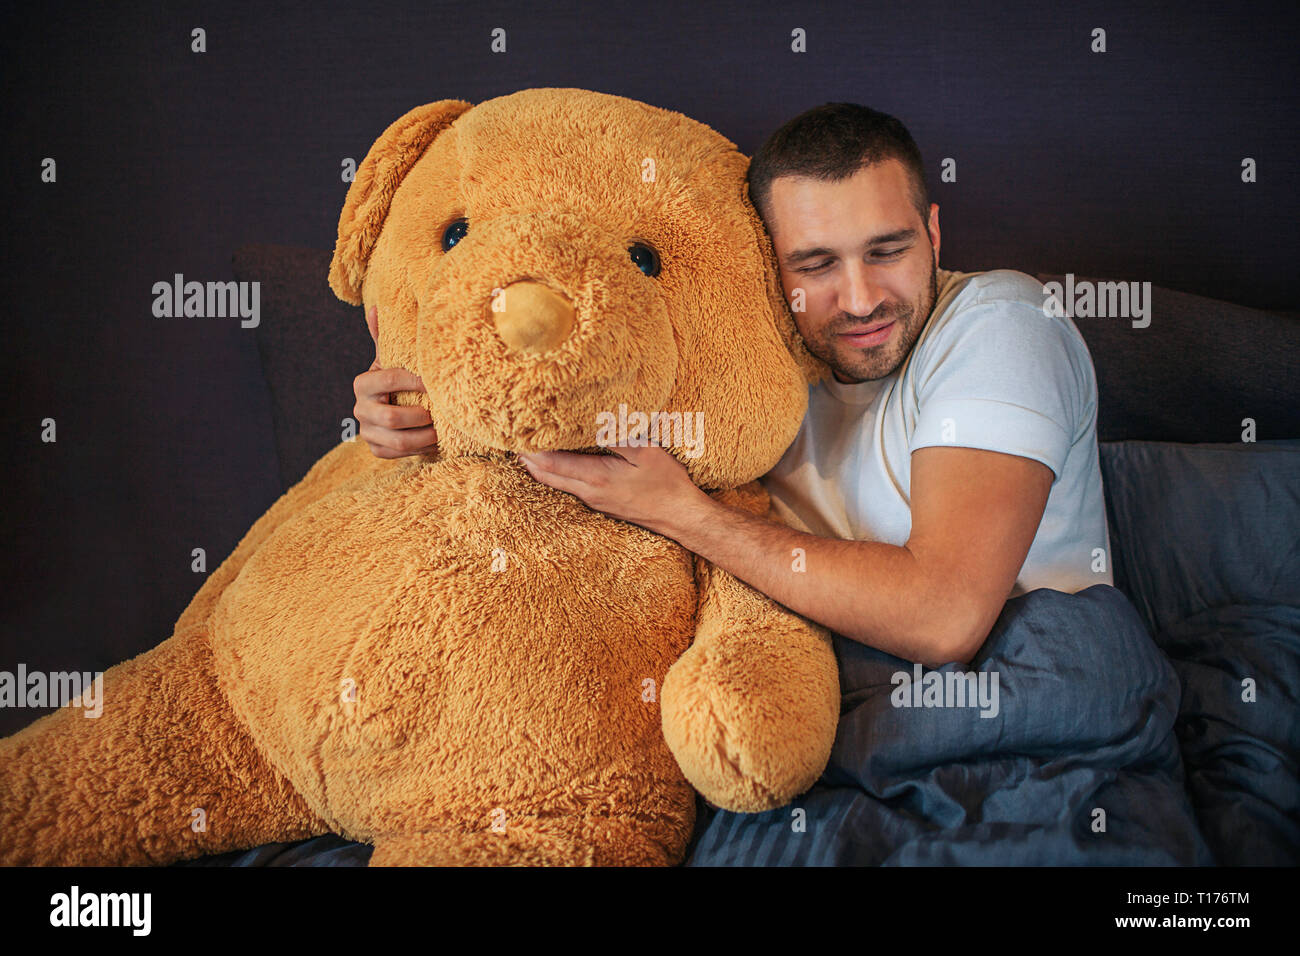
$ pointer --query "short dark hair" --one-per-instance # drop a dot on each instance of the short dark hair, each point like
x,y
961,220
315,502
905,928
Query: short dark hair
x,y
832,142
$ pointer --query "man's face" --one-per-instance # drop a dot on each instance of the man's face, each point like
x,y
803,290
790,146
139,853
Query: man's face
x,y
865,262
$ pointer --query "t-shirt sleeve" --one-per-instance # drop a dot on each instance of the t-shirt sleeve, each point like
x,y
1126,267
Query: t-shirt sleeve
x,y
1003,376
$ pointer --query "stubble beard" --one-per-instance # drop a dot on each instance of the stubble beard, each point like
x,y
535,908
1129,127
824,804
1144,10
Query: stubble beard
x,y
864,365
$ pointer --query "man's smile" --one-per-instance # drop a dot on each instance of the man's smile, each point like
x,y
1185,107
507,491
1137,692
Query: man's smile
x,y
872,335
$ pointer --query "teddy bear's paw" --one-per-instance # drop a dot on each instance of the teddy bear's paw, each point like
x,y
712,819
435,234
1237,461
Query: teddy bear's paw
x,y
750,732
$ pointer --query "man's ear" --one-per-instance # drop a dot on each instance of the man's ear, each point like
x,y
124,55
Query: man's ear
x,y
933,228
371,193
812,368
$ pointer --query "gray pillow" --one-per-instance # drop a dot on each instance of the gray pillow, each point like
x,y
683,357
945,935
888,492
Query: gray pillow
x,y
1195,527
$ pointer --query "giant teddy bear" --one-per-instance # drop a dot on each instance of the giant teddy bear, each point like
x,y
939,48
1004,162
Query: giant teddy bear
x,y
440,655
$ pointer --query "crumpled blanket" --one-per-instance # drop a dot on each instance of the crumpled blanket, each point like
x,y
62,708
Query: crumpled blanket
x,y
1054,746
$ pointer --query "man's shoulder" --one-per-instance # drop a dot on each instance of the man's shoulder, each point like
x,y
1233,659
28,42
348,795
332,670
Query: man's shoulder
x,y
994,310
996,285
993,336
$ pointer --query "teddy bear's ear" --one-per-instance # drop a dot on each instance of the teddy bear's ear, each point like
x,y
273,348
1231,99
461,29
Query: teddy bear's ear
x,y
812,368
371,192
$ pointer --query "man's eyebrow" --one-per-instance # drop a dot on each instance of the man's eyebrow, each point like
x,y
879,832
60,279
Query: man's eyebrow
x,y
799,255
898,235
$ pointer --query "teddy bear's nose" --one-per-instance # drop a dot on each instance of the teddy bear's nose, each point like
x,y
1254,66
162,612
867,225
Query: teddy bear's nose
x,y
532,317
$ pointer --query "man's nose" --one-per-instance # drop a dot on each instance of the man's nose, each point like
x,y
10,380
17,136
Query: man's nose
x,y
859,293
532,317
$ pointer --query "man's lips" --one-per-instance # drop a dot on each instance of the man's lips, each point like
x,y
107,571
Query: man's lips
x,y
870,335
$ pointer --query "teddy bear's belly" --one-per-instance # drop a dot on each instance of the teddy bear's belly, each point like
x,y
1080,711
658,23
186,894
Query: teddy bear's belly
x,y
455,644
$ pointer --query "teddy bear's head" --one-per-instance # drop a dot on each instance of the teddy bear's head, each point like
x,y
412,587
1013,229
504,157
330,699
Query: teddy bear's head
x,y
558,265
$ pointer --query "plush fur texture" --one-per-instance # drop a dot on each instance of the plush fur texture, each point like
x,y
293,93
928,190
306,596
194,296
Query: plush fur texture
x,y
439,654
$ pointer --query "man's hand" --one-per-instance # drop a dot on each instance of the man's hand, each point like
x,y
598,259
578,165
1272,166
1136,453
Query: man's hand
x,y
391,431
646,485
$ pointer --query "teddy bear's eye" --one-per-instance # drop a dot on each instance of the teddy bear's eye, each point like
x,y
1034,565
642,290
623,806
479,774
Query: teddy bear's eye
x,y
454,233
645,258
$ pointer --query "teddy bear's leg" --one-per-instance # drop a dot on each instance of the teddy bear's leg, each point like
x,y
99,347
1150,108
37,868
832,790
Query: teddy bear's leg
x,y
546,841
165,772
751,709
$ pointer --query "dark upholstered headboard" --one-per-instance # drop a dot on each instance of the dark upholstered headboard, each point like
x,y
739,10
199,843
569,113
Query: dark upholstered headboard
x,y
312,346
1192,375
1195,371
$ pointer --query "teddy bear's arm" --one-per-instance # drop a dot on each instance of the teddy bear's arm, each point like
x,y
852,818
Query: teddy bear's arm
x,y
750,709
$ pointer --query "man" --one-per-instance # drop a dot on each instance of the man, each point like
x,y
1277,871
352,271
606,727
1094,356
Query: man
x,y
949,464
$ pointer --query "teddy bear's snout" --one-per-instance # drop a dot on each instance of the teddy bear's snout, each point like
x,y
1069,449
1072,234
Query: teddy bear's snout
x,y
531,317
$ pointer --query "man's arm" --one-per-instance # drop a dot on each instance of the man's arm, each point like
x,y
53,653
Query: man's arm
x,y
934,600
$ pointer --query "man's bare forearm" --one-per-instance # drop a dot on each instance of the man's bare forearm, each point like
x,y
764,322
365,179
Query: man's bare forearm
x,y
876,594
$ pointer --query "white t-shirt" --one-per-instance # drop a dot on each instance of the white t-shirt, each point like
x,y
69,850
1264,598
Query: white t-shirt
x,y
989,370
